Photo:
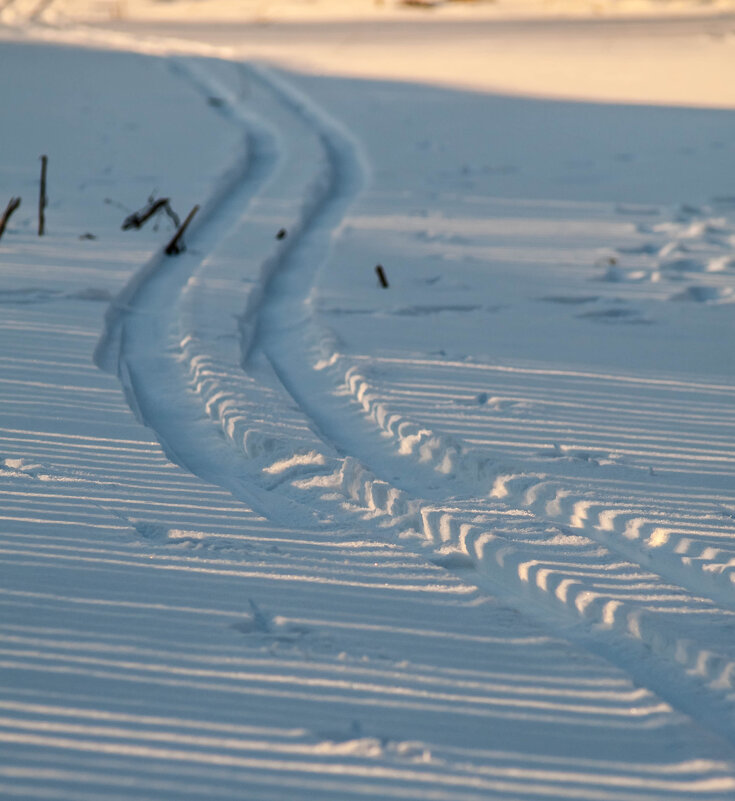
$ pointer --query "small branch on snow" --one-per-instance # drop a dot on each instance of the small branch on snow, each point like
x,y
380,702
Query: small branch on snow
x,y
381,276
138,218
42,199
176,245
11,207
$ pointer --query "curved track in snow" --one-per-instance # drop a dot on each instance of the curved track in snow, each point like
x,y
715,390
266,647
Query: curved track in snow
x,y
222,354
614,587
312,458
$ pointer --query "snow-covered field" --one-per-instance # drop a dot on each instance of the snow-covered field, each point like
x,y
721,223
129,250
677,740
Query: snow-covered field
x,y
272,531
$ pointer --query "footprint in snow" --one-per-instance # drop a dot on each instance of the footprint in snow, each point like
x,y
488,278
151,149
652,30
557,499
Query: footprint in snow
x,y
256,622
721,264
150,531
678,258
704,294
556,451
711,230
281,632
495,404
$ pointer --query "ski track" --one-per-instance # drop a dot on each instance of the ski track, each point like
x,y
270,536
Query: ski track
x,y
560,577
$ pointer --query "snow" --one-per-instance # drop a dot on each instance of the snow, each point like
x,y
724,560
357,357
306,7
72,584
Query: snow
x,y
271,531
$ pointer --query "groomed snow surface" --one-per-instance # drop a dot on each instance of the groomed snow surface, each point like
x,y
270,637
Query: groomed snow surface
x,y
272,531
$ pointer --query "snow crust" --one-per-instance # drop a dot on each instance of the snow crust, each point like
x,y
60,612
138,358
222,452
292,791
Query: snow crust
x,y
270,530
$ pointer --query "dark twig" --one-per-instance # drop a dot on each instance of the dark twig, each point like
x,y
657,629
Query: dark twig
x,y
176,245
381,276
42,199
11,207
138,218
